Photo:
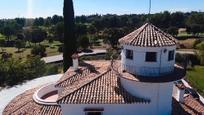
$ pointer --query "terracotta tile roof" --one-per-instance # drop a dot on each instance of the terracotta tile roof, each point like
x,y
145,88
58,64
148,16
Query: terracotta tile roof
x,y
25,105
68,74
84,70
148,36
178,73
71,78
193,106
190,107
102,89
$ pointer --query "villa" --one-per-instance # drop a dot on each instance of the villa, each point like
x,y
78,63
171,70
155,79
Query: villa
x,y
140,83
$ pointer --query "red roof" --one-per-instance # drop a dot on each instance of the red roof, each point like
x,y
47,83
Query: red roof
x,y
99,89
148,36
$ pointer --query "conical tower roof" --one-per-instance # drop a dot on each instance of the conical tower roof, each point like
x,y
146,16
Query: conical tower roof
x,y
148,35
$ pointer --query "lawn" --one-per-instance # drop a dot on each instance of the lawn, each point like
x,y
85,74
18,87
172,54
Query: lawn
x,y
184,34
195,77
51,49
188,43
1,36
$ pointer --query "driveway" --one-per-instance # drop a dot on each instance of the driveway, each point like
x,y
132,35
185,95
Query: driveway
x,y
57,58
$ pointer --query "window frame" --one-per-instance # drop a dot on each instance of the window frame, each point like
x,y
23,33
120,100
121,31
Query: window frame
x,y
150,54
129,54
171,54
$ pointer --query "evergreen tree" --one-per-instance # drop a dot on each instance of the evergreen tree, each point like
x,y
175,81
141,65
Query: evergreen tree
x,y
69,36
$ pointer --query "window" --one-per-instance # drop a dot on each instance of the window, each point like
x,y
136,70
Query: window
x,y
151,57
93,111
171,55
129,54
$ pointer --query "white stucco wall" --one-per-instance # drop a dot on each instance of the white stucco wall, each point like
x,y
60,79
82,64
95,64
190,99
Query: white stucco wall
x,y
160,94
109,109
139,66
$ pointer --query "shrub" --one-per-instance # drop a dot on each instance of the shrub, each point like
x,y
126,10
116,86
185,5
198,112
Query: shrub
x,y
196,43
200,56
2,42
52,47
6,55
50,40
84,42
182,46
52,69
20,44
112,54
200,46
187,59
35,67
194,59
60,49
15,71
38,50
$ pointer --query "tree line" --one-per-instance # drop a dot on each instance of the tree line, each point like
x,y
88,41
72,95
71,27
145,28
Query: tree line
x,y
102,26
91,30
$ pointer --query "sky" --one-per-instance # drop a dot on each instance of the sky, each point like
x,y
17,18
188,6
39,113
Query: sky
x,y
45,8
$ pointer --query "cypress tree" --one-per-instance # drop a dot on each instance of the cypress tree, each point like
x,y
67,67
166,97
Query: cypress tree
x,y
69,34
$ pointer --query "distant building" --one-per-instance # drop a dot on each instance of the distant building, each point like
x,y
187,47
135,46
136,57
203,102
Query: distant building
x,y
141,83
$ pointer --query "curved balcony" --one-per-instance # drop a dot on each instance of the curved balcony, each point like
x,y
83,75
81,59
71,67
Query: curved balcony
x,y
46,95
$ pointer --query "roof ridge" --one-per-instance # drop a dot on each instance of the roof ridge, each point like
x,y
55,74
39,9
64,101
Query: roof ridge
x,y
142,29
83,69
167,35
86,83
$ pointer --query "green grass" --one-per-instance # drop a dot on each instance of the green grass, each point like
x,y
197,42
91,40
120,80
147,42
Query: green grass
x,y
201,34
27,51
51,49
13,51
196,78
184,34
54,43
1,36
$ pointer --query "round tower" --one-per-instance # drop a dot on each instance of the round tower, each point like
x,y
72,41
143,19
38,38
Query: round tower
x,y
148,51
148,67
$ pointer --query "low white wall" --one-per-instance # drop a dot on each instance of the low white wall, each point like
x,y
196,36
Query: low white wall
x,y
160,94
109,109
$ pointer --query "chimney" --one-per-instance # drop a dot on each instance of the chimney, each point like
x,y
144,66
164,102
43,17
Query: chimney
x,y
75,59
